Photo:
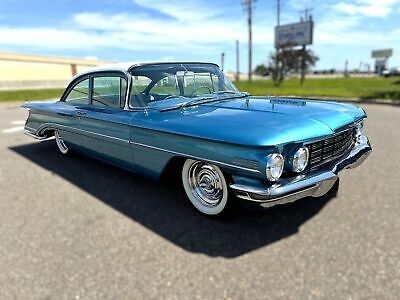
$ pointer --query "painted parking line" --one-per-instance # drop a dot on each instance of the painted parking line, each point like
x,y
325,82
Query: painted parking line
x,y
19,122
13,129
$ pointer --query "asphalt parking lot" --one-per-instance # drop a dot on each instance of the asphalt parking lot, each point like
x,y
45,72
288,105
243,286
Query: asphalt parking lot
x,y
75,228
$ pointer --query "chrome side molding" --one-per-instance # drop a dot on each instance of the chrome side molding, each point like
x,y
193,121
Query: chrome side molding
x,y
33,135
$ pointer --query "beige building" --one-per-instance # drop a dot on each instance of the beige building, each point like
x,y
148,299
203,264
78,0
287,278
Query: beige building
x,y
23,71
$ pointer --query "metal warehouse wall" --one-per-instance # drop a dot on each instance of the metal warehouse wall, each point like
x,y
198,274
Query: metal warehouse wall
x,y
21,71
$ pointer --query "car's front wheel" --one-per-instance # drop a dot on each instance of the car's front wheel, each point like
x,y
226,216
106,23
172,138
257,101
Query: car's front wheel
x,y
60,143
206,187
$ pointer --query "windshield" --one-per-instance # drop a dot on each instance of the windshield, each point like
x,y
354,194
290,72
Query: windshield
x,y
157,82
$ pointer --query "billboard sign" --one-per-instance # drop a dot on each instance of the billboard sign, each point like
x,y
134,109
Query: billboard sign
x,y
296,34
384,53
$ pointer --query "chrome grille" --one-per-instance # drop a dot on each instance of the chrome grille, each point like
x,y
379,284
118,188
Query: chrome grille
x,y
328,149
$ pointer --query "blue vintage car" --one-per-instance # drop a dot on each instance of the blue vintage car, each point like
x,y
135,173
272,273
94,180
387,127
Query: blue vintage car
x,y
148,117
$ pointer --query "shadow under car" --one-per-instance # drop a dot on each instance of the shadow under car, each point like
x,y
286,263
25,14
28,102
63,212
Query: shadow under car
x,y
164,209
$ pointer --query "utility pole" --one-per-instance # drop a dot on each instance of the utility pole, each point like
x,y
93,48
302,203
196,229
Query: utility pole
x,y
237,77
248,4
222,61
306,12
278,63
278,12
307,17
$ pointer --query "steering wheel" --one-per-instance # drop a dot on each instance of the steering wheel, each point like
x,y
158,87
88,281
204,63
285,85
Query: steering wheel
x,y
201,87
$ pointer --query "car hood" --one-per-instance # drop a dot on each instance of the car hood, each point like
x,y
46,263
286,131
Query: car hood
x,y
257,121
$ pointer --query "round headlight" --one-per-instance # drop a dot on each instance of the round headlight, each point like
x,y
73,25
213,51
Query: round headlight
x,y
275,163
300,160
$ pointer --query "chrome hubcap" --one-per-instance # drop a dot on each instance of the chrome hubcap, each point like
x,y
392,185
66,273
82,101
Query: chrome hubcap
x,y
60,143
206,184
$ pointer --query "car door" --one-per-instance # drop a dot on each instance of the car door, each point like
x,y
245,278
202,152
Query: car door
x,y
74,99
104,124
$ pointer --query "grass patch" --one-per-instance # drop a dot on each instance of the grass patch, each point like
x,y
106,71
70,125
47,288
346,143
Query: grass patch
x,y
360,88
30,95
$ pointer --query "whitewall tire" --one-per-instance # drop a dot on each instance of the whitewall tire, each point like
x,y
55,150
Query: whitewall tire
x,y
60,143
205,186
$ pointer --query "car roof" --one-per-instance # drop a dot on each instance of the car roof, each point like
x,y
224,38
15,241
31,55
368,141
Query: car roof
x,y
126,67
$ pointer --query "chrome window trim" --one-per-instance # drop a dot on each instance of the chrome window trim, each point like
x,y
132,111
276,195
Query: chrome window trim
x,y
98,73
128,91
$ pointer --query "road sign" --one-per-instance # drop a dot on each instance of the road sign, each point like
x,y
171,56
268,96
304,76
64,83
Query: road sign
x,y
384,53
296,34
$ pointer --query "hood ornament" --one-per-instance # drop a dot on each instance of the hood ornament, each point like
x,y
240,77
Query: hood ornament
x,y
288,101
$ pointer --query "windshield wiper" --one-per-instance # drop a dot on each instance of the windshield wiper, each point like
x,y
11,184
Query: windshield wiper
x,y
224,92
205,100
196,101
171,97
189,103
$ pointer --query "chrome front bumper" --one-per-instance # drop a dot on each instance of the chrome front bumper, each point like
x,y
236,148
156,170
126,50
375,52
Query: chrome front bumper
x,y
315,185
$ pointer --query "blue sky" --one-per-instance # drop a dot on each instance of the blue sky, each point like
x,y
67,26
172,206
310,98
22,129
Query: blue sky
x,y
139,30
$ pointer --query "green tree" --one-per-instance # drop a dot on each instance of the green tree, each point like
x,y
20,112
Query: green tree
x,y
261,70
286,60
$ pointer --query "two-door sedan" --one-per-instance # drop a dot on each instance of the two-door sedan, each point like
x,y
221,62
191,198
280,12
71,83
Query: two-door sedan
x,y
145,117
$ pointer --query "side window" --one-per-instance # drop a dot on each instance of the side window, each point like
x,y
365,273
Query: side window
x,y
108,91
139,85
80,93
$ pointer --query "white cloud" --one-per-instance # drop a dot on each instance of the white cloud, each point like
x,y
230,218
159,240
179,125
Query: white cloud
x,y
370,8
188,10
347,31
180,26
190,28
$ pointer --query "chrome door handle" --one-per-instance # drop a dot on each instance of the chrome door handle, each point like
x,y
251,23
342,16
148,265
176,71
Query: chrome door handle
x,y
80,113
66,115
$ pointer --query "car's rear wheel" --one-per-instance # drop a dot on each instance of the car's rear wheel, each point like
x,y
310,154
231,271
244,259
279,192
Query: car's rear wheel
x,y
60,143
206,187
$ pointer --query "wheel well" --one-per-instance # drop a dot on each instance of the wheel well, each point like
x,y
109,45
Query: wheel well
x,y
48,132
172,171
